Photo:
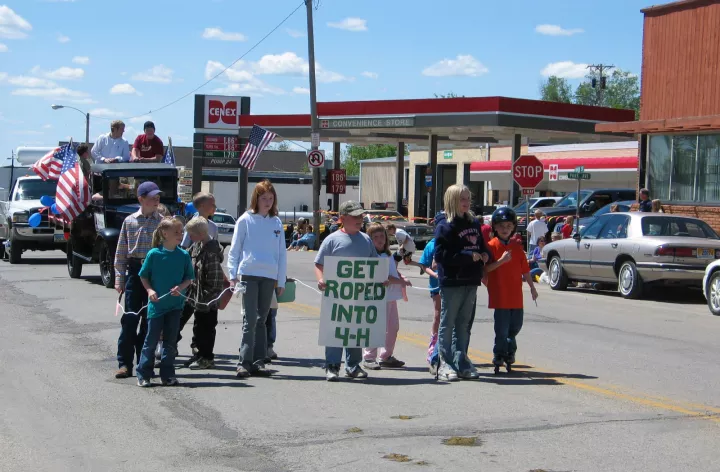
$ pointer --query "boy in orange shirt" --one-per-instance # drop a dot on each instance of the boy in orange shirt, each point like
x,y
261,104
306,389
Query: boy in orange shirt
x,y
505,292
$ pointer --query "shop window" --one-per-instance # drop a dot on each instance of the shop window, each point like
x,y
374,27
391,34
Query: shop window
x,y
659,165
683,168
709,168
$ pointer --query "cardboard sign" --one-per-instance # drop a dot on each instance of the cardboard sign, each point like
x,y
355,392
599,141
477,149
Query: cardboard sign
x,y
354,309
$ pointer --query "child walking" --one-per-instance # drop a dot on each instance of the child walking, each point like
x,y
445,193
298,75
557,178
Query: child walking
x,y
165,274
371,361
505,285
429,267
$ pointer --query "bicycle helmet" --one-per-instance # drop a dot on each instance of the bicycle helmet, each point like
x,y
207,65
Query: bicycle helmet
x,y
502,215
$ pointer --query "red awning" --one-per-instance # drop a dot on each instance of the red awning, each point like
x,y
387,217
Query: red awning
x,y
607,164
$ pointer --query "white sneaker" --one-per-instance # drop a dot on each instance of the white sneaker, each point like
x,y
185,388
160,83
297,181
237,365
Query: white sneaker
x,y
470,374
448,373
143,383
332,373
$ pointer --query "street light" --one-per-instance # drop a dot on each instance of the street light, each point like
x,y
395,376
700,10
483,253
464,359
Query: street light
x,y
87,120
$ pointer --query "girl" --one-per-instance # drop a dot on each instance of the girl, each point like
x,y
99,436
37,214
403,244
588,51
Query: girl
x,y
258,256
567,228
165,274
656,206
460,253
379,237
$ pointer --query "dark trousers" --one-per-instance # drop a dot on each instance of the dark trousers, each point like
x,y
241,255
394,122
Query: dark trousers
x,y
130,342
256,302
508,323
204,330
271,327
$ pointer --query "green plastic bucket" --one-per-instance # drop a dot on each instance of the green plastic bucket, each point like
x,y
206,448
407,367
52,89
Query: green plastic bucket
x,y
288,295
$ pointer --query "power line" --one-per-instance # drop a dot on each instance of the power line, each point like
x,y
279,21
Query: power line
x,y
302,4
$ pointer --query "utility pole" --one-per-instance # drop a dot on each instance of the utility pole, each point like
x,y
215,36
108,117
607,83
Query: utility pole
x,y
313,120
600,87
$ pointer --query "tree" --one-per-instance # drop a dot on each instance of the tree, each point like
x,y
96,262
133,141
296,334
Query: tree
x,y
354,154
282,146
556,89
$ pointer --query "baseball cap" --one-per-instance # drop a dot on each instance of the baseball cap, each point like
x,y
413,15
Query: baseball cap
x,y
149,124
148,189
351,208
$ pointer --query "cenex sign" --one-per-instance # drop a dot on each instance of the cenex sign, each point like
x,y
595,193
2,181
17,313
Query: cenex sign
x,y
387,122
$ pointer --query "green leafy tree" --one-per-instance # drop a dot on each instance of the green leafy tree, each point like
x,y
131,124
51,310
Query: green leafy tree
x,y
354,154
556,89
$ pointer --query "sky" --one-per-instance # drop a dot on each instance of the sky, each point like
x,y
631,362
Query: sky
x,y
123,60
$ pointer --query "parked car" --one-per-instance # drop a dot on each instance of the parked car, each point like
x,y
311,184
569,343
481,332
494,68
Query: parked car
x,y
521,208
420,232
634,250
226,227
711,287
585,222
94,234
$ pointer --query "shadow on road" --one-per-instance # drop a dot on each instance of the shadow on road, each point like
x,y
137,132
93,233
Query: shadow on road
x,y
42,261
656,294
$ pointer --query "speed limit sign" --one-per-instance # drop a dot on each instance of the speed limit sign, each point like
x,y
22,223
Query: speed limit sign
x,y
316,158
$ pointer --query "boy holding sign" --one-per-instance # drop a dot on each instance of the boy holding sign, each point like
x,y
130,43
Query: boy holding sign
x,y
346,242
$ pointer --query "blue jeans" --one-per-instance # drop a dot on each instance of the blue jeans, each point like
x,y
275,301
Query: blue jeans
x,y
508,323
456,310
168,325
434,355
353,356
131,341
271,327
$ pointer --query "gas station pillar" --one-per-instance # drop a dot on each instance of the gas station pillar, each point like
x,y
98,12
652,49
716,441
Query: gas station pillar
x,y
336,165
400,163
514,187
435,198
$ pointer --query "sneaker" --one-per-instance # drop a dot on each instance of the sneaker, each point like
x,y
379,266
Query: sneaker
x,y
171,382
202,363
332,373
371,365
356,373
158,351
241,372
392,363
144,383
448,373
123,373
259,370
271,353
470,374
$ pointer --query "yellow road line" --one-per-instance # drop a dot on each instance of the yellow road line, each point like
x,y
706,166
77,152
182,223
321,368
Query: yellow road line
x,y
477,356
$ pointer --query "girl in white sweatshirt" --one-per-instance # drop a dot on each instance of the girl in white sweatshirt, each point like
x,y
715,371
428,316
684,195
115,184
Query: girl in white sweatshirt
x,y
258,258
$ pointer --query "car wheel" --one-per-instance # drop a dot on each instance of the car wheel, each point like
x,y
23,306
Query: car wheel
x,y
713,291
558,277
630,285
74,263
2,250
107,268
15,249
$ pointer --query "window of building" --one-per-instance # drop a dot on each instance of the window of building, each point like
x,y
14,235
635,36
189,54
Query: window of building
x,y
684,168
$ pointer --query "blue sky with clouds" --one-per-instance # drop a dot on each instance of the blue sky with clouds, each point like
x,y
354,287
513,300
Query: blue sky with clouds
x,y
123,59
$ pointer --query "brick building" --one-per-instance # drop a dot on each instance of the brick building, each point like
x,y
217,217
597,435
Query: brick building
x,y
679,126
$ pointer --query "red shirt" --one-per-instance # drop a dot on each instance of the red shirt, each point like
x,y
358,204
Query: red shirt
x,y
148,147
486,231
566,231
505,282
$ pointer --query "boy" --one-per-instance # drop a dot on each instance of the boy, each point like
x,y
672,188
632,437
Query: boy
x,y
429,266
346,242
505,287
204,204
406,245
134,242
207,258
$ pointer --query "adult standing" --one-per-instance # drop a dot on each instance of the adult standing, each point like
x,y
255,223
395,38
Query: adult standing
x,y
645,202
258,258
111,147
148,147
83,153
536,228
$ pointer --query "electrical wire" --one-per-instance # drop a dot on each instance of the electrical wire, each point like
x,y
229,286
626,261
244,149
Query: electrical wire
x,y
226,69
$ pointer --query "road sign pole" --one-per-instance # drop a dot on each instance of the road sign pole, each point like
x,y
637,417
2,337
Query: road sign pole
x,y
577,213
527,219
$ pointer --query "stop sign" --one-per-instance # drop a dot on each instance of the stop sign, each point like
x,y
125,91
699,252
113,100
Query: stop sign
x,y
528,171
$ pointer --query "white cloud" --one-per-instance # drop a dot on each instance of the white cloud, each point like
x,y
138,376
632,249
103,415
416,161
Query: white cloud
x,y
159,74
31,82
220,35
301,90
555,30
350,24
140,119
565,69
239,80
462,65
47,127
124,89
3,48
289,63
53,93
63,39
105,113
295,33
12,25
370,75
84,60
63,73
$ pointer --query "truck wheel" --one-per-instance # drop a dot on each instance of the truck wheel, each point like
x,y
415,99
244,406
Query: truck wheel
x,y
74,263
107,267
15,252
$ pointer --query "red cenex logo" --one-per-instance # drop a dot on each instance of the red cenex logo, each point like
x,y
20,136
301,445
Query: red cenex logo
x,y
227,113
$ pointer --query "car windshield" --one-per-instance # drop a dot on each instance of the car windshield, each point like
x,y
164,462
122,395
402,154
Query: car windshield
x,y
571,200
226,219
522,207
378,216
35,189
125,188
677,226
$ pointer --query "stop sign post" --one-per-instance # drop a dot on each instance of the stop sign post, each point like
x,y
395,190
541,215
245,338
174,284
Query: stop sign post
x,y
528,172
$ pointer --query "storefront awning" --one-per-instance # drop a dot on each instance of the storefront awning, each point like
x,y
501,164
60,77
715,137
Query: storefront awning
x,y
591,164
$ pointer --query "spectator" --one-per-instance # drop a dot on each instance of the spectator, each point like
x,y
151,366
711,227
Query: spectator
x,y
614,208
656,206
536,228
85,159
555,237
111,147
567,228
148,147
645,202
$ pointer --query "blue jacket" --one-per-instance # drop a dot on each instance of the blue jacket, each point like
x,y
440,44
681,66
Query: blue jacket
x,y
646,205
456,240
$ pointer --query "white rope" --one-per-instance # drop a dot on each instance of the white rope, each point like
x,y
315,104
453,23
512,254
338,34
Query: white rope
x,y
237,290
306,285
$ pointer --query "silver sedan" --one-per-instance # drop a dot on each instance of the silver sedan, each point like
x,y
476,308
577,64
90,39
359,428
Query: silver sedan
x,y
633,250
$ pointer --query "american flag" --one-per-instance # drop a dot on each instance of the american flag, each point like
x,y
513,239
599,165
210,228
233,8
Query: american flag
x,y
73,193
49,166
169,156
259,139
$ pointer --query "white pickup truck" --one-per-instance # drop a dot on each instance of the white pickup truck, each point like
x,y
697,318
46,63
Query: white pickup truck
x,y
16,234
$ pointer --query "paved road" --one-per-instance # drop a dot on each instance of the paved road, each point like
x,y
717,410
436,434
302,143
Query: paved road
x,y
608,385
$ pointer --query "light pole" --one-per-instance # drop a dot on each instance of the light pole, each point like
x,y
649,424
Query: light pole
x,y
313,119
87,120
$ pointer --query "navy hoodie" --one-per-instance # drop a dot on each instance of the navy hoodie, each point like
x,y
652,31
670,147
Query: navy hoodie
x,y
455,241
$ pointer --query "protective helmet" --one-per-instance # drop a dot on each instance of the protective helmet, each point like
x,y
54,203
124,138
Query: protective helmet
x,y
502,215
